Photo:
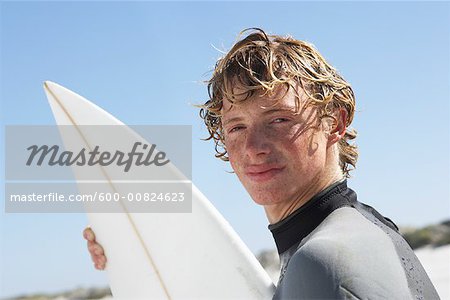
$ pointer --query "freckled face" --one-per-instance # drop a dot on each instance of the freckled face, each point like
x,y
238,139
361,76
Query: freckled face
x,y
276,153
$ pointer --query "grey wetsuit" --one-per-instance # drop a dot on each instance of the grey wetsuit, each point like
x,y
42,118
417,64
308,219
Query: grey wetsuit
x,y
335,247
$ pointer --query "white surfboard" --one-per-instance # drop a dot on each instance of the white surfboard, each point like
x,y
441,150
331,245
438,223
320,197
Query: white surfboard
x,y
193,255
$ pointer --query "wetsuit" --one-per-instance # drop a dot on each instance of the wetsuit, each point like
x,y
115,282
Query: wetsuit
x,y
335,247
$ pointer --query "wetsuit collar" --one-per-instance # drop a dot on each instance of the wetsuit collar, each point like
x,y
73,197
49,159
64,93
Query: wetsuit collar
x,y
304,220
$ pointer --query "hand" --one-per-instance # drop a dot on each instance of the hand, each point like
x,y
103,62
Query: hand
x,y
95,249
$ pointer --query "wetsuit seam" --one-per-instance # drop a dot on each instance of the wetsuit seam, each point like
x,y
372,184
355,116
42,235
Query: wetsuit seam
x,y
348,291
349,201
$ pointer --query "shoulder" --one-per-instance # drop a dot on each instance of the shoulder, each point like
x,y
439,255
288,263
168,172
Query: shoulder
x,y
347,256
348,230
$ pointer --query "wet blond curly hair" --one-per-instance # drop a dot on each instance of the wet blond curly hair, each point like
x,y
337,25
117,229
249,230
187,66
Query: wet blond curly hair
x,y
261,62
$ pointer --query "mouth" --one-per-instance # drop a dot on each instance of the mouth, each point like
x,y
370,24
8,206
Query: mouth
x,y
263,174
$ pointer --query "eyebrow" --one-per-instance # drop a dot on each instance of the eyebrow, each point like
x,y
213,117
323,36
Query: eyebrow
x,y
266,112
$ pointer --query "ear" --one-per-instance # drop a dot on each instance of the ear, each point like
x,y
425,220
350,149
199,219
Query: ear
x,y
339,126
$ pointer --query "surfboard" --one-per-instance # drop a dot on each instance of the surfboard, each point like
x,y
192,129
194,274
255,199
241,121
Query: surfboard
x,y
191,255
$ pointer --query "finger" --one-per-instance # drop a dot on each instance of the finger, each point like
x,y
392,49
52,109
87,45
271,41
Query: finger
x,y
88,234
99,250
101,260
91,247
91,252
95,248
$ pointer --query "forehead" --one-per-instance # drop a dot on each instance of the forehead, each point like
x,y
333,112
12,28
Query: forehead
x,y
292,98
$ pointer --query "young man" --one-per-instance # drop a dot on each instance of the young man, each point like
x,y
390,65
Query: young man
x,y
279,113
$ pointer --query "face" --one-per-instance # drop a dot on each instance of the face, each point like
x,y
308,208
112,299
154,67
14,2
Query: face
x,y
276,153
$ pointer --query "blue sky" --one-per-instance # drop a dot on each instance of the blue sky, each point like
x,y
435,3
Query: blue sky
x,y
144,62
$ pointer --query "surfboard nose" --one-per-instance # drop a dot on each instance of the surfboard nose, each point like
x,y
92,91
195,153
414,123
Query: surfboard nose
x,y
50,86
69,108
53,89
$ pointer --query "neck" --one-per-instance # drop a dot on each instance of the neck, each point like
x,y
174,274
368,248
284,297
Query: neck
x,y
279,211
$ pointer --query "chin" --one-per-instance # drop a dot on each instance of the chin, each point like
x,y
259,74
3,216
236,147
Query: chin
x,y
259,202
265,200
265,195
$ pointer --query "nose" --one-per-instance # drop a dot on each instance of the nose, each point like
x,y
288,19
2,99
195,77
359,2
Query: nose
x,y
257,143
